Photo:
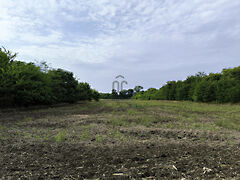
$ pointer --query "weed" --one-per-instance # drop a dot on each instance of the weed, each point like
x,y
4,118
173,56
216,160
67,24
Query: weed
x,y
46,138
99,138
27,135
61,136
85,135
86,127
37,137
27,119
230,143
131,112
230,123
203,139
118,121
169,125
205,126
116,134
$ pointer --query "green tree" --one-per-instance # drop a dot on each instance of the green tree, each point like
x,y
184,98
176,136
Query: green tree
x,y
138,89
6,58
205,91
84,91
95,95
114,94
182,91
24,84
64,86
225,87
130,93
123,94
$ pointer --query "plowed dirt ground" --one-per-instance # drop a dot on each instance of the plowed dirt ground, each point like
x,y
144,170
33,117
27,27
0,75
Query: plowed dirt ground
x,y
123,139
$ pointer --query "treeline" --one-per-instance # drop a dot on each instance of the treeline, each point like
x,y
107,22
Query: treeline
x,y
124,94
25,84
215,87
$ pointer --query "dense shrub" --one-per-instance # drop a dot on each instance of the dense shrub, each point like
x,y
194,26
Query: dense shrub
x,y
25,84
30,85
85,92
216,87
64,86
124,94
95,95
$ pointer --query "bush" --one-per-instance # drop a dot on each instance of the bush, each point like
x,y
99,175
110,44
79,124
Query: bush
x,y
219,87
95,95
25,84
64,86
84,91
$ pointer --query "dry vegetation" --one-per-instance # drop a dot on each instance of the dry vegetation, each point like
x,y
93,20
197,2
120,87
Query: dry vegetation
x,y
123,139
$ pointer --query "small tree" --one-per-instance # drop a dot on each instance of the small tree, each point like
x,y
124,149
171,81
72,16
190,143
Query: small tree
x,y
123,94
114,94
138,89
95,95
130,93
84,91
64,86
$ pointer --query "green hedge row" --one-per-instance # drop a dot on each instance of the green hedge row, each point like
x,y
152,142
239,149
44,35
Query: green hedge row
x,y
216,87
25,84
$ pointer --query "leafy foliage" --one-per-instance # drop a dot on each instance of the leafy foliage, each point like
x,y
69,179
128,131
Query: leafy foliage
x,y
25,84
216,87
124,94
64,86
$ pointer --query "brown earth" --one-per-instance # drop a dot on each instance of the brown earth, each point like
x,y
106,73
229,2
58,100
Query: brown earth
x,y
144,152
146,160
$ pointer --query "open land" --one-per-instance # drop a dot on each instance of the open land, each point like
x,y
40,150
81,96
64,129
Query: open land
x,y
121,139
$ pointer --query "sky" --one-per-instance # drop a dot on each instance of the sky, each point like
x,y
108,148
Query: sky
x,y
149,42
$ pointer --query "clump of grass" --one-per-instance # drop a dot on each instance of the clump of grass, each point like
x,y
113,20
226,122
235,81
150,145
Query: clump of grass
x,y
27,135
189,119
137,105
61,136
2,127
169,125
229,123
117,121
230,143
85,135
131,112
46,138
203,139
26,119
205,127
116,134
135,119
99,138
86,127
143,120
37,137
3,136
151,120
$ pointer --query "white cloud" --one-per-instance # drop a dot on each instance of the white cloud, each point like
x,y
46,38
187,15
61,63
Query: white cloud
x,y
7,32
75,31
92,52
121,20
53,37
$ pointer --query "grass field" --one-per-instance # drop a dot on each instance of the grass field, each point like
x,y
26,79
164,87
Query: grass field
x,y
121,139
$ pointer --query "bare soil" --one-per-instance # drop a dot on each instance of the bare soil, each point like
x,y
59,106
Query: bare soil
x,y
143,152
